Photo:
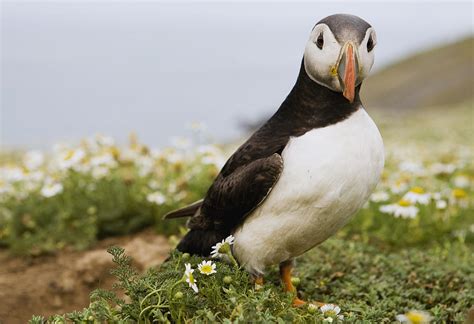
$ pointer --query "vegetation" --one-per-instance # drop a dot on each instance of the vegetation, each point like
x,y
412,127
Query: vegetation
x,y
95,189
367,284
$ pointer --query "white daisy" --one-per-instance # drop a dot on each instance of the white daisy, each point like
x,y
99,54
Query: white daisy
x,y
174,157
104,159
100,172
462,181
70,158
12,174
414,317
207,267
459,197
145,165
398,187
222,248
156,198
402,209
417,195
331,311
103,140
188,273
33,159
441,204
229,239
51,188
379,196
215,250
436,195
442,168
415,168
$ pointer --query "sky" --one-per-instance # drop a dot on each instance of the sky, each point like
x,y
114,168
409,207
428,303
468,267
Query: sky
x,y
72,69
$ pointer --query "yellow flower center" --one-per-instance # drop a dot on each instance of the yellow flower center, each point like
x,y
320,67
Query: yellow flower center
x,y
69,155
191,278
418,190
459,193
404,203
415,318
330,313
225,248
206,269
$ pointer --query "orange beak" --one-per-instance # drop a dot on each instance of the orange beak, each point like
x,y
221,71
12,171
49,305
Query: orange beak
x,y
348,73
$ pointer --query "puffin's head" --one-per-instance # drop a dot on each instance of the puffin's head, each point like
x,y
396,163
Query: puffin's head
x,y
340,53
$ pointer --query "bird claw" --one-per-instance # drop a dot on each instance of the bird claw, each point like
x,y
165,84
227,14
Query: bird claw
x,y
299,302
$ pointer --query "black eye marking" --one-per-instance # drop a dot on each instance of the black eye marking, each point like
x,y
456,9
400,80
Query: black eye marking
x,y
370,44
320,41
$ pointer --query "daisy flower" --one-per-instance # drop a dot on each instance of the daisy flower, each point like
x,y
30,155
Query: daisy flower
x,y
207,267
222,248
462,181
331,311
156,198
33,160
417,195
398,187
51,188
436,195
188,274
414,317
441,204
415,168
442,168
70,158
403,209
459,197
379,196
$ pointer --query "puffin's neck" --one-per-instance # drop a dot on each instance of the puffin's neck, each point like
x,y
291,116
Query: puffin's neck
x,y
316,105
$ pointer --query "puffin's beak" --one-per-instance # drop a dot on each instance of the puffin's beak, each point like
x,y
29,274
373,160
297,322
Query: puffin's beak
x,y
347,71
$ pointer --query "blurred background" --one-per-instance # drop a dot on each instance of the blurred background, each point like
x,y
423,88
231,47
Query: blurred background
x,y
72,68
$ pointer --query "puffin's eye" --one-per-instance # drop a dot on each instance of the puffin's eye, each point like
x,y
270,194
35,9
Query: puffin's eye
x,y
370,44
320,41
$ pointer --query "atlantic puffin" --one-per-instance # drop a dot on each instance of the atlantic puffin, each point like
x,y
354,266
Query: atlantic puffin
x,y
301,176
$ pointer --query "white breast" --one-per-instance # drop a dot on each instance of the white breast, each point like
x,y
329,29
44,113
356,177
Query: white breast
x,y
328,175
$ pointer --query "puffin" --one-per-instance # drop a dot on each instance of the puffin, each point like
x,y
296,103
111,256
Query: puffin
x,y
305,172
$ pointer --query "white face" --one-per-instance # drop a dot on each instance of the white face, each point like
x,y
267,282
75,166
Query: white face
x,y
323,56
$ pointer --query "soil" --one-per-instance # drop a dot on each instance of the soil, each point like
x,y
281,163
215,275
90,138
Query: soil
x,y
61,283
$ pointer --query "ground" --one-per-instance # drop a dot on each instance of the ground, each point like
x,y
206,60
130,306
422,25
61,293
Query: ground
x,y
62,282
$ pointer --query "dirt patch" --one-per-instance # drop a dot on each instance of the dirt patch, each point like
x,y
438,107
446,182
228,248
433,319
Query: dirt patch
x,y
62,283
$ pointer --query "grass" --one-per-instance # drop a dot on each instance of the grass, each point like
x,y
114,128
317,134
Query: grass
x,y
367,283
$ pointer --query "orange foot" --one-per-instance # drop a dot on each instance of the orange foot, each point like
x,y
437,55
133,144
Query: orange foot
x,y
285,275
298,303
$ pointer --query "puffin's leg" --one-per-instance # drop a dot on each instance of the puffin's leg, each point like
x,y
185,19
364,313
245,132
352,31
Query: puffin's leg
x,y
285,274
257,281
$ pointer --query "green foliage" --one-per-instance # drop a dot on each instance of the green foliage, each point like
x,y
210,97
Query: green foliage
x,y
367,283
107,191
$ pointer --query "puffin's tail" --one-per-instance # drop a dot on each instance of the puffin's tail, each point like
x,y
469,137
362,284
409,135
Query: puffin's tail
x,y
186,211
200,241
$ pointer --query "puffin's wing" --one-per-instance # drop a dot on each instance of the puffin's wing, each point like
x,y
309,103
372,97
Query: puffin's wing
x,y
232,197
